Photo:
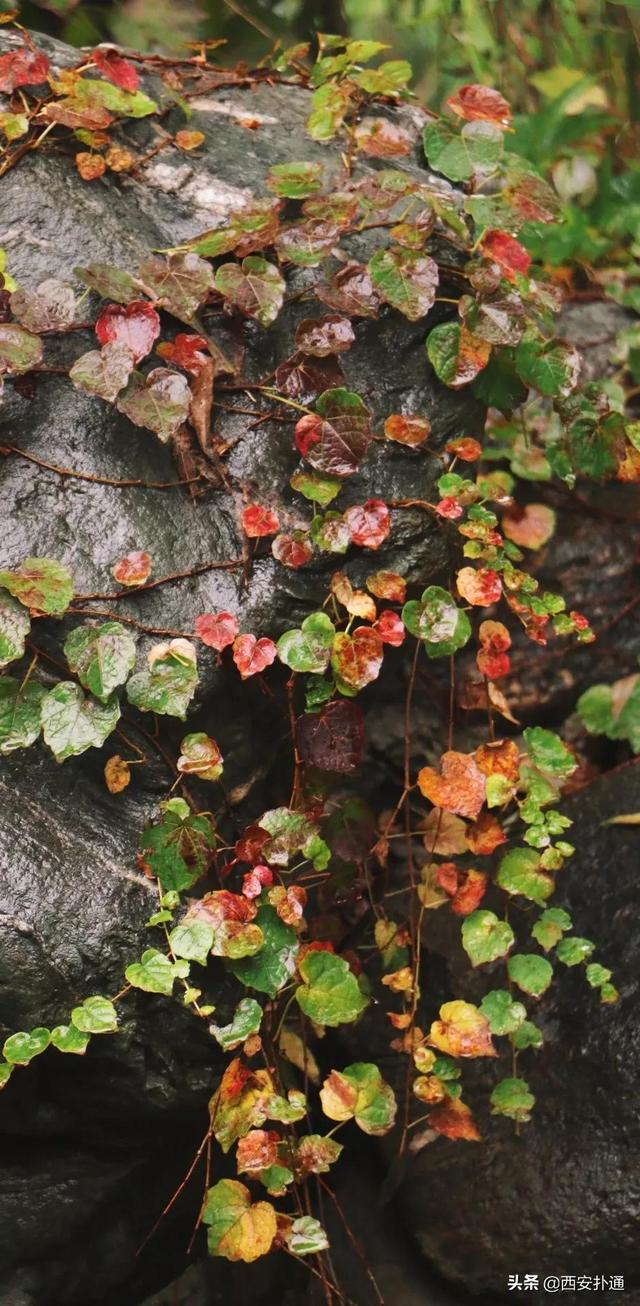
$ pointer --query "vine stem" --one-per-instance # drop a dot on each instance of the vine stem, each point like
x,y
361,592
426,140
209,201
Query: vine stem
x,y
198,570
353,1240
6,449
173,1199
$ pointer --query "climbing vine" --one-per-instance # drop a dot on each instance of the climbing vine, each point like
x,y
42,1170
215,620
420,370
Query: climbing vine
x,y
259,903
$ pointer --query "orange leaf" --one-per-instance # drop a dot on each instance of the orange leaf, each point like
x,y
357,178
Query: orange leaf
x,y
482,587
485,835
462,1031
117,774
499,758
460,788
477,103
531,526
453,1119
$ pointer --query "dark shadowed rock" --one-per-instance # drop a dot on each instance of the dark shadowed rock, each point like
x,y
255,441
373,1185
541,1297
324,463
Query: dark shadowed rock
x,y
563,1197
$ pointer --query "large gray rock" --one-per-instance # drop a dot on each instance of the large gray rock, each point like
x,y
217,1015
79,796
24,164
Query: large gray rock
x,y
95,1146
563,1196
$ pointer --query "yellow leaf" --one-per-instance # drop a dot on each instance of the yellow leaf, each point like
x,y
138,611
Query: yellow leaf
x,y
117,774
238,1230
462,1031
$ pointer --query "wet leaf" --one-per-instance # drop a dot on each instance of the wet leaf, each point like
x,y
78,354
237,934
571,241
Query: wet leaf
x,y
101,656
382,139
359,1093
50,307
133,569
272,967
252,655
456,355
320,336
66,1038
216,629
14,628
20,708
531,973
245,231
179,283
436,620
319,489
22,67
459,155
453,1119
512,257
460,788
387,585
257,288
465,888
503,1013
160,402
329,104
257,1151
530,526
389,78
72,723
230,918
492,657
169,682
90,93
187,351
95,1015
445,834
485,938
306,1237
303,378
237,1230
258,521
104,372
315,1154
462,1031
512,1098
19,1049
356,659
406,280
118,70
117,774
330,532
292,550
390,628
330,994
369,523
332,739
551,367
551,925
137,326
548,752
336,437
154,973
480,103
178,847
294,181
520,873
573,951
200,756
308,649
19,350
410,431
289,904
350,290
308,242
247,1019
480,587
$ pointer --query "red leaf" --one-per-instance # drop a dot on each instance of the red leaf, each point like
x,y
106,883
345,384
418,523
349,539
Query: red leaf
x,y
465,448
331,334
186,351
133,569
249,846
485,834
465,888
116,68
255,881
252,655
137,326
303,378
390,628
23,67
292,550
258,521
356,659
332,739
492,657
449,507
411,431
480,587
453,1119
350,290
507,252
460,788
216,629
480,104
369,523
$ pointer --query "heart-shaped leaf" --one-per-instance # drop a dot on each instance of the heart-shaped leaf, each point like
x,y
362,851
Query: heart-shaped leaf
x,y
330,994
406,280
256,288
14,628
155,973
455,354
50,307
109,281
20,707
356,659
308,649
336,437
435,619
237,1229
103,372
137,326
41,584
169,682
247,1019
177,848
360,1093
95,1015
19,350
72,723
19,1049
179,283
101,656
485,938
160,401
320,336
294,181
272,967
350,290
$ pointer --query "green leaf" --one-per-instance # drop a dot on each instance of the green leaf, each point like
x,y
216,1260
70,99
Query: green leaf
x,y
257,288
550,927
109,281
20,708
66,1038
6,1072
306,1237
192,940
455,354
95,1015
437,620
19,1049
613,710
179,283
15,625
512,1098
595,708
249,229
458,154
270,969
329,103
519,873
547,751
131,104
294,181
177,848
155,973
551,367
41,584
317,488
503,1013
597,975
406,280
359,1093
238,1230
330,994
167,686
574,950
389,79
101,656
290,832
527,1036
485,938
309,648
14,125
19,350
531,973
159,402
247,1019
72,723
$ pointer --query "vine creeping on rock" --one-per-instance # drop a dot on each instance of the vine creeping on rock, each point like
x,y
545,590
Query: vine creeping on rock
x,y
264,897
